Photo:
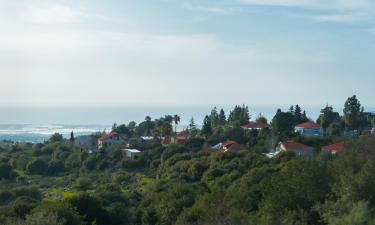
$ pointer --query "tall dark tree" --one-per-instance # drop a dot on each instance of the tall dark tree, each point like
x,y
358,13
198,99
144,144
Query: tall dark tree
x,y
214,117
222,117
176,120
206,128
56,137
328,117
240,114
72,139
352,113
283,122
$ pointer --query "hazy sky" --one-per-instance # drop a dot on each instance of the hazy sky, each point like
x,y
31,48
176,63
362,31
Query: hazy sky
x,y
186,52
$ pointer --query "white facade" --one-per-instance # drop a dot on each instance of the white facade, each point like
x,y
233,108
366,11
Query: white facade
x,y
131,153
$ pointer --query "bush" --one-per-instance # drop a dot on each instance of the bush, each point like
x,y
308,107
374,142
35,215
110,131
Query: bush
x,y
37,166
6,171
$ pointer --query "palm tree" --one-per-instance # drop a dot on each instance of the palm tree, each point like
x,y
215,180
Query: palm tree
x,y
176,120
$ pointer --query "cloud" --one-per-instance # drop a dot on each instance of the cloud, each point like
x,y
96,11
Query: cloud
x,y
316,4
338,11
52,42
212,9
55,14
340,18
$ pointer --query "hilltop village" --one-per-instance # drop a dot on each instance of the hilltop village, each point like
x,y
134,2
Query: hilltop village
x,y
233,169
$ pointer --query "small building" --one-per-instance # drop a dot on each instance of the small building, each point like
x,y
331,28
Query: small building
x,y
180,138
292,146
256,126
228,146
147,141
309,129
110,140
334,148
132,153
373,130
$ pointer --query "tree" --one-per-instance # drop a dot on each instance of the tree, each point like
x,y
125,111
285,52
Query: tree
x,y
240,114
222,117
193,127
283,122
72,139
6,171
352,113
206,128
176,120
56,137
63,211
39,218
214,117
328,117
55,167
261,119
37,166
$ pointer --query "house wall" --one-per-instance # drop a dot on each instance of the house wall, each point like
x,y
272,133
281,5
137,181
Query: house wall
x,y
309,132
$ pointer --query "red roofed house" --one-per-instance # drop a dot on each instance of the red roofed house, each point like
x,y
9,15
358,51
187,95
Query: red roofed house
x,y
298,148
228,146
180,138
256,126
110,140
334,148
309,129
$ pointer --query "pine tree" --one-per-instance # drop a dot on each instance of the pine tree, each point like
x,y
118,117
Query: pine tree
x,y
206,129
72,139
222,117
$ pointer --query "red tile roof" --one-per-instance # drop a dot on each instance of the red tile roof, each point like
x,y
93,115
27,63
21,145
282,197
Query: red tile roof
x,y
334,147
183,134
106,137
225,147
166,141
292,145
255,125
308,125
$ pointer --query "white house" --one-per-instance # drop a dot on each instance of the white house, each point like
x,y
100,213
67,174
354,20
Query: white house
x,y
131,153
110,140
309,129
292,146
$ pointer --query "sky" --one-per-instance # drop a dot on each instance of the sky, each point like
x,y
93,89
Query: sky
x,y
118,53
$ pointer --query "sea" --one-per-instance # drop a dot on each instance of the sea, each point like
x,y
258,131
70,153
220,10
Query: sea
x,y
36,125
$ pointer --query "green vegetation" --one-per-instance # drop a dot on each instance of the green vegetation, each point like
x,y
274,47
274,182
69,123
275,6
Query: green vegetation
x,y
58,183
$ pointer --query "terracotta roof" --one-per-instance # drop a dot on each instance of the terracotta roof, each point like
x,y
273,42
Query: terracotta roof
x,y
292,145
255,125
183,134
106,137
308,125
334,147
226,146
231,146
166,141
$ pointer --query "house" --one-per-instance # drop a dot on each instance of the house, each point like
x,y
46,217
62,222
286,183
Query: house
x,y
373,130
228,146
147,141
309,129
132,153
292,146
256,126
180,138
110,140
334,148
